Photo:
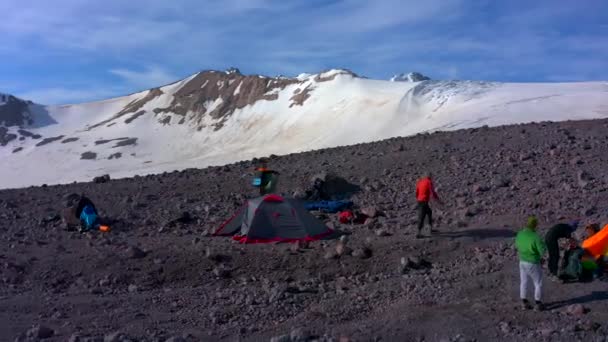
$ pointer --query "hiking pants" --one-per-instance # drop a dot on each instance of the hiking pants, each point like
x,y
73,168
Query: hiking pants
x,y
424,210
553,249
529,271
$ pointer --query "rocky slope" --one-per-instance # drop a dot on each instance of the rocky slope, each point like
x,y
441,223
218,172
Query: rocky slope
x,y
158,276
213,118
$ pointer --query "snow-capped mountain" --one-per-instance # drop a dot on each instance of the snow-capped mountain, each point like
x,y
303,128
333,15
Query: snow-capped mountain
x,y
409,77
214,117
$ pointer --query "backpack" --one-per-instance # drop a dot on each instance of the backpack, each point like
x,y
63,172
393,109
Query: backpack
x,y
258,179
574,266
88,216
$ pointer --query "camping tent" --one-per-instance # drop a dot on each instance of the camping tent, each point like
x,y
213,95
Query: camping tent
x,y
272,218
597,245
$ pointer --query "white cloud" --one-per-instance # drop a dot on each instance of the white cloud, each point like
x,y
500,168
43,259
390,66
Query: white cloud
x,y
60,95
153,76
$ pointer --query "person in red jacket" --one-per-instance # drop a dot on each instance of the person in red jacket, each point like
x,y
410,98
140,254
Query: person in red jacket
x,y
424,192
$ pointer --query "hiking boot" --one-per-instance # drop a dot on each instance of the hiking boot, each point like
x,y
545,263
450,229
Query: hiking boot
x,y
538,306
525,305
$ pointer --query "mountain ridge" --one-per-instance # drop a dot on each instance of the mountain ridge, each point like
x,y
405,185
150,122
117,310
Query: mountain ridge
x,y
217,117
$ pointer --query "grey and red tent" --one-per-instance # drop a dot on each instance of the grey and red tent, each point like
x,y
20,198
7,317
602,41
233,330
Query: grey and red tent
x,y
273,218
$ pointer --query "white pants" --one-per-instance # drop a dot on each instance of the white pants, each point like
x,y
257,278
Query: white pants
x,y
534,272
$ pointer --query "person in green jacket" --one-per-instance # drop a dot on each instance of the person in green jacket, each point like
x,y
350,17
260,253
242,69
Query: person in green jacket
x,y
530,248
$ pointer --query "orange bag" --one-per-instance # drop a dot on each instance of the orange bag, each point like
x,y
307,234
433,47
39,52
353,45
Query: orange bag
x,y
597,245
104,229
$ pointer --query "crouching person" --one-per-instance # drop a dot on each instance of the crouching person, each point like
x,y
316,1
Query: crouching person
x,y
530,248
81,213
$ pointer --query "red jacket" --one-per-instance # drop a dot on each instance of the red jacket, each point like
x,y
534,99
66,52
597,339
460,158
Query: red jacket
x,y
424,190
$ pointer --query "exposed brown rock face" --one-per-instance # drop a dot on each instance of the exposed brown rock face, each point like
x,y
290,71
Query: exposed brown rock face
x,y
300,96
216,95
132,107
219,94
46,141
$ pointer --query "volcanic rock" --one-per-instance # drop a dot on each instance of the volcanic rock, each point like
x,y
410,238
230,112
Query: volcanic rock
x,y
362,253
40,332
101,179
576,310
135,253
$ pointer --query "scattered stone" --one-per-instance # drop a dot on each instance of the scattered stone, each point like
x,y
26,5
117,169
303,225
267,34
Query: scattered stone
x,y
480,188
213,256
75,337
587,326
546,332
363,253
88,155
222,272
101,179
342,249
115,337
370,212
415,263
576,310
40,331
175,339
132,288
382,232
330,254
299,335
505,328
583,178
135,253
282,338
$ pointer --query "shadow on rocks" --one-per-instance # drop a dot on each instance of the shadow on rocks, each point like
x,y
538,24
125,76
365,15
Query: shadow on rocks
x,y
481,233
595,296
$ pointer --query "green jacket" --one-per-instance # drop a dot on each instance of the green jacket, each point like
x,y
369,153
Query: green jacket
x,y
530,246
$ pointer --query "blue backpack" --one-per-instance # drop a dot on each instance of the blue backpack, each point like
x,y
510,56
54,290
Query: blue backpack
x,y
88,216
258,179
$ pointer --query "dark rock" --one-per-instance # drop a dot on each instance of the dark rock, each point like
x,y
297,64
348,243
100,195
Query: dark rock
x,y
176,339
46,141
480,188
501,182
363,253
101,179
115,337
88,155
583,178
299,335
75,337
587,326
370,212
222,272
40,332
135,253
576,161
282,338
382,232
576,310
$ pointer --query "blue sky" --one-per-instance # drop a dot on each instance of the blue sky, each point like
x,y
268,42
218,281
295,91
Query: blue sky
x,y
66,51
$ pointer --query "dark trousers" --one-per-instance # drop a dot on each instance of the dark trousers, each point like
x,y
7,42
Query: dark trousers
x,y
553,250
424,211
